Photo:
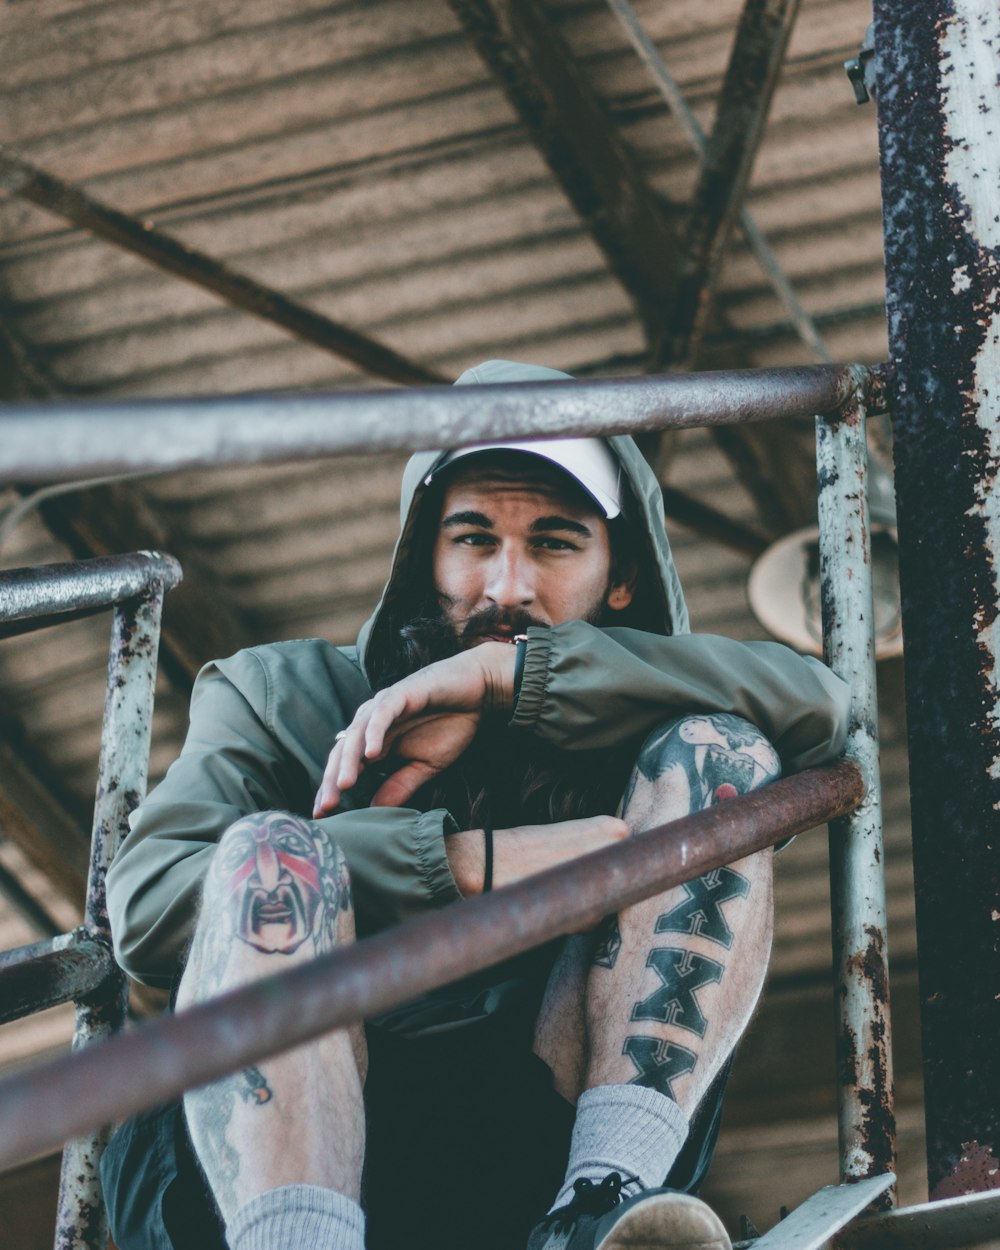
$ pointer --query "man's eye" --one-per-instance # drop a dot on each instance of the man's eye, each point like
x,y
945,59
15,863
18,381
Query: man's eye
x,y
474,540
555,544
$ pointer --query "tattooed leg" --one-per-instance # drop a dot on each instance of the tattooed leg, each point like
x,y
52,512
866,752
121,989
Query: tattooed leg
x,y
277,894
671,983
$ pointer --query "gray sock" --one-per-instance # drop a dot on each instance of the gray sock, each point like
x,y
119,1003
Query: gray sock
x,y
297,1217
629,1129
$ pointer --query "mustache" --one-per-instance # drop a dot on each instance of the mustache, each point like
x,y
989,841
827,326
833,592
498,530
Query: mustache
x,y
496,620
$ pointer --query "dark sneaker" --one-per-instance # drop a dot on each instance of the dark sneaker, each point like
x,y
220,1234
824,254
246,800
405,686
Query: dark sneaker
x,y
598,1218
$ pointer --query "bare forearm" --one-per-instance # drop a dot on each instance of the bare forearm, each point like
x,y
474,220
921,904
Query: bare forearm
x,y
526,849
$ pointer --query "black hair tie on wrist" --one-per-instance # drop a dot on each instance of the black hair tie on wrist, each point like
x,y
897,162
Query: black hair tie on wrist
x,y
488,858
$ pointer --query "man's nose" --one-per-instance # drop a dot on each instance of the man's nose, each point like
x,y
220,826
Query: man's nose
x,y
268,868
510,582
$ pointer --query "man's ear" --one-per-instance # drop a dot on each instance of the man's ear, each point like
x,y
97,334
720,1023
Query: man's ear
x,y
623,584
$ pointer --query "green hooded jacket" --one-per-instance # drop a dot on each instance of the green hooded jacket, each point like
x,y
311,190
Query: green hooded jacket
x,y
263,722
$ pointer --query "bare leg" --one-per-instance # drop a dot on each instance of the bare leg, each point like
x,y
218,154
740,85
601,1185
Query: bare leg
x,y
277,894
663,995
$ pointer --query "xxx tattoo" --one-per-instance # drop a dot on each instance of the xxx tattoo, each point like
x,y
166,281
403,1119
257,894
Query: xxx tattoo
x,y
715,758
700,914
659,1062
683,973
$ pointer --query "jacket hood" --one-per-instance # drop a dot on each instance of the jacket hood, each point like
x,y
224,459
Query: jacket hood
x,y
644,512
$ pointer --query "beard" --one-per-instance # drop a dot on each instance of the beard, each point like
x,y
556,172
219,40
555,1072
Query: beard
x,y
507,776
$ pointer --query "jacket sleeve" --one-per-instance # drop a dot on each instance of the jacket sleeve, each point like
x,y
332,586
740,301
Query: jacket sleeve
x,y
233,764
585,688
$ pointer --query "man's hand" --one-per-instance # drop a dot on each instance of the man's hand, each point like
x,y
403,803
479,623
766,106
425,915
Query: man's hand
x,y
527,849
426,720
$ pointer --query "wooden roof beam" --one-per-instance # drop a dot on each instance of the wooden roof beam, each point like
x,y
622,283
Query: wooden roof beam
x,y
580,143
142,238
755,63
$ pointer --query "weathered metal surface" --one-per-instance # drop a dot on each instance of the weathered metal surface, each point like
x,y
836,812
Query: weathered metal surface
x,y
52,590
81,1222
40,1108
67,967
18,177
804,325
866,1123
938,109
67,440
811,1225
972,1220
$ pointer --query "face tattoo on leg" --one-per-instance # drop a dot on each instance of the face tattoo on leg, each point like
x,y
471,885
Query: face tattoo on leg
x,y
279,890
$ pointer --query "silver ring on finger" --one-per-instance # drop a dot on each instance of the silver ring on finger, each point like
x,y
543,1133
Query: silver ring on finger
x,y
339,737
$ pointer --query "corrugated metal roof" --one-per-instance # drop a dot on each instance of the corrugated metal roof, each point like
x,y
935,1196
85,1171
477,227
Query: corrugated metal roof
x,y
360,157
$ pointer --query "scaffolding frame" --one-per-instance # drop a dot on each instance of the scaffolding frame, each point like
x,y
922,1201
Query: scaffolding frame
x,y
163,1057
80,966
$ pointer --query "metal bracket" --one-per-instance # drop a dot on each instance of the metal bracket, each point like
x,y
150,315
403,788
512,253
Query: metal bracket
x,y
861,69
811,1225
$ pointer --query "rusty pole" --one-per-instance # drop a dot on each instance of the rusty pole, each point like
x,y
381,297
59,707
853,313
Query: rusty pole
x,y
939,129
867,1129
66,440
156,1061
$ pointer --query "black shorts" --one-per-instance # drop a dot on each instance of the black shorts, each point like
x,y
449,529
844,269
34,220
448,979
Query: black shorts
x,y
467,1144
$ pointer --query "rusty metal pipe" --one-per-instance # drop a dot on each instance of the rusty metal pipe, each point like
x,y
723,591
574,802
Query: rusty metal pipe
x,y
44,974
866,1122
50,590
68,440
145,1066
81,1219
940,160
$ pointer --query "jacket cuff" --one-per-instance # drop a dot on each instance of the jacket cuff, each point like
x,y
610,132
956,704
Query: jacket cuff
x,y
535,678
432,858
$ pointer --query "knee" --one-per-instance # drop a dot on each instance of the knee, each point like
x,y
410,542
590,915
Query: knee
x,y
277,882
704,759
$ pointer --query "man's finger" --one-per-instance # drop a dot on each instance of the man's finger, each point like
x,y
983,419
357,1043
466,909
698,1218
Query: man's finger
x,y
398,789
328,794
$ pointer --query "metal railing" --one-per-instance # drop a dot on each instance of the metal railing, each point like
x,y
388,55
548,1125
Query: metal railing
x,y
80,966
39,1108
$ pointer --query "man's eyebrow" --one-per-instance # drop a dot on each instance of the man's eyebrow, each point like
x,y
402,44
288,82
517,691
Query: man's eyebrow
x,y
544,524
467,518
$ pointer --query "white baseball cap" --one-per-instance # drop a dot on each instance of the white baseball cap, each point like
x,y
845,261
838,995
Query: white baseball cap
x,y
588,461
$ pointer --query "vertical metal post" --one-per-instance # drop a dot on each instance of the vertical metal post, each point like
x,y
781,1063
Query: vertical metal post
x,y
122,773
866,1121
939,133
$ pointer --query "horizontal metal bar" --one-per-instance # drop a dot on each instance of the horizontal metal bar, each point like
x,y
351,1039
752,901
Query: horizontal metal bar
x,y
80,586
811,1225
67,440
101,1083
972,1219
58,970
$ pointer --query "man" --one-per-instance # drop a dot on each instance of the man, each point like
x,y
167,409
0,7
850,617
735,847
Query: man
x,y
536,696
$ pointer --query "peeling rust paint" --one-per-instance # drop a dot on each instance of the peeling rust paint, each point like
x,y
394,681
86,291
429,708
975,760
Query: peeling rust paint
x,y
80,965
864,1060
940,155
